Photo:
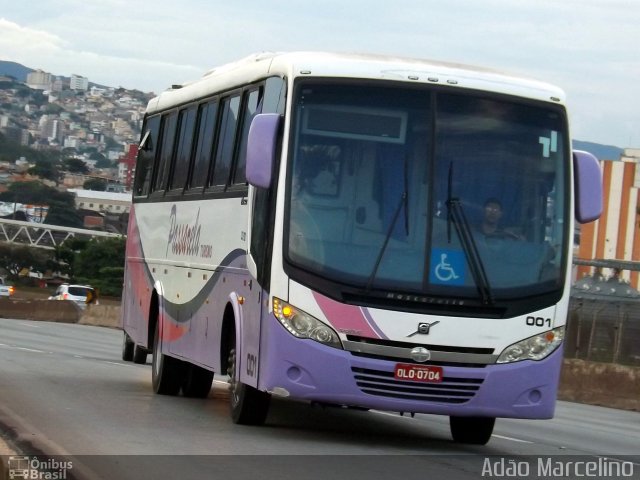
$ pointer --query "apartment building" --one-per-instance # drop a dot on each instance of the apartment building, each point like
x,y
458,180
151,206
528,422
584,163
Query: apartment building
x,y
77,82
40,80
616,235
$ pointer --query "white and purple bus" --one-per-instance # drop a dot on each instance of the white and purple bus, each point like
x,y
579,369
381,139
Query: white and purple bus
x,y
365,231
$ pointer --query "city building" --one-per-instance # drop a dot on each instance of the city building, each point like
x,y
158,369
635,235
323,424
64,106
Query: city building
x,y
616,235
102,202
40,80
127,165
78,82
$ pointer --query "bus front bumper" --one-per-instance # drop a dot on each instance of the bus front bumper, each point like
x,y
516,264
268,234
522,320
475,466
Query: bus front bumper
x,y
307,370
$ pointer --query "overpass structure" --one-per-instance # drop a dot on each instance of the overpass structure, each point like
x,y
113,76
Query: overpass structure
x,y
42,235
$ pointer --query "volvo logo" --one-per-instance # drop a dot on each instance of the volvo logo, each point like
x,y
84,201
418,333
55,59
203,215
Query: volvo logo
x,y
423,328
420,354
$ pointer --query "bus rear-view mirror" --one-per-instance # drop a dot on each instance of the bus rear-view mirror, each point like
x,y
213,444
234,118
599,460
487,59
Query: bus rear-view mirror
x,y
261,149
588,187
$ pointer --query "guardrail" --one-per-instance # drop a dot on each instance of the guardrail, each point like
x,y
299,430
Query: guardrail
x,y
604,330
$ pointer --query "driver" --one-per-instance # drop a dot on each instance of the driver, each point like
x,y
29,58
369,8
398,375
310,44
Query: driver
x,y
490,225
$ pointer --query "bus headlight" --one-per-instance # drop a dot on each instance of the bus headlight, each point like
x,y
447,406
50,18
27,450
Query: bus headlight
x,y
533,348
303,325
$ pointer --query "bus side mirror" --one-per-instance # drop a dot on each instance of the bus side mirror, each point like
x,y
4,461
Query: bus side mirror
x,y
587,186
261,148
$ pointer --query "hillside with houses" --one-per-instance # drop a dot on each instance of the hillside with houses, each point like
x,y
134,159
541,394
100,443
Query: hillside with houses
x,y
52,122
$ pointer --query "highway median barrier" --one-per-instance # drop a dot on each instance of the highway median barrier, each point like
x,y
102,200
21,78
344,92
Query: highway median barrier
x,y
61,311
101,316
43,310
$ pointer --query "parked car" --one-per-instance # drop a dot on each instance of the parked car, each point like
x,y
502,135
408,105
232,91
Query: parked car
x,y
6,290
80,294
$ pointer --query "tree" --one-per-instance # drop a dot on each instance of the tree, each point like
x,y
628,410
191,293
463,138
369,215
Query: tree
x,y
97,184
75,165
104,163
62,208
64,258
46,169
15,258
95,155
101,264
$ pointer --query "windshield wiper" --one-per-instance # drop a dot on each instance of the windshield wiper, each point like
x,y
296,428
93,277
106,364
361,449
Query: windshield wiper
x,y
456,216
404,201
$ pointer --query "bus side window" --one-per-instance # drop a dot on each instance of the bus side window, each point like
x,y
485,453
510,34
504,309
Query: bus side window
x,y
226,142
167,139
207,115
146,156
252,106
183,150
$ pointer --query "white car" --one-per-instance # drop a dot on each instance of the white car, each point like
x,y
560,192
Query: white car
x,y
80,294
6,290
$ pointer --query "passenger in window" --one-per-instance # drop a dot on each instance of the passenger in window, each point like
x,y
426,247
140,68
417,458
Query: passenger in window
x,y
492,216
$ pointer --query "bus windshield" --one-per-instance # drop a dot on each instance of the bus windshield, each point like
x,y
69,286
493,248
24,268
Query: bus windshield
x,y
427,192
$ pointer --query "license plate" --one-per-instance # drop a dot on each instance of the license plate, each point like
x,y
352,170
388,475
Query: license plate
x,y
418,373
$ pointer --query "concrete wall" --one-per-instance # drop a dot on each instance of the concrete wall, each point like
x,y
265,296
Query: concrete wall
x,y
46,310
605,384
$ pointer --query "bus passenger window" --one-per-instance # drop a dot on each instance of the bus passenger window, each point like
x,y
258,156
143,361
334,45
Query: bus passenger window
x,y
207,114
183,151
228,127
146,156
166,151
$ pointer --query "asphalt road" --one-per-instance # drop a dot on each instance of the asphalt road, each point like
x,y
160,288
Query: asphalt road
x,y
64,391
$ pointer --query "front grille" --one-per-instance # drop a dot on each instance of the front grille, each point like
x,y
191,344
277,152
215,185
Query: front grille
x,y
440,348
409,360
450,390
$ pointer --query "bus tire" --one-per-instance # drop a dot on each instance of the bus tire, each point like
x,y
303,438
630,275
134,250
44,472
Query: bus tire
x,y
471,430
249,406
127,348
197,382
139,355
166,372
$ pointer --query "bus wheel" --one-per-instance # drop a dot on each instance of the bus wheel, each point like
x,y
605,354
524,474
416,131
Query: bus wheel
x,y
127,348
473,430
249,406
166,372
197,382
139,355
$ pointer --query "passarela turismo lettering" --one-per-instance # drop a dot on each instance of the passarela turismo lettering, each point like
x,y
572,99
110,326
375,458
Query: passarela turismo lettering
x,y
184,238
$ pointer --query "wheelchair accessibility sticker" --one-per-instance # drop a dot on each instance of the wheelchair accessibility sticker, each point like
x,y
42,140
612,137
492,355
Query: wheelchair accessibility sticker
x,y
447,267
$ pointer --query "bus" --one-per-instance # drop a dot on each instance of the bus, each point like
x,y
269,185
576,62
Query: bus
x,y
312,226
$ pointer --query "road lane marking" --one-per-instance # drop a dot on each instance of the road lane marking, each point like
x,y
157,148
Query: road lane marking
x,y
15,347
511,438
30,325
119,363
28,349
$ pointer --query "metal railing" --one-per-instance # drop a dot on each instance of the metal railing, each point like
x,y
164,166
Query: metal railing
x,y
604,330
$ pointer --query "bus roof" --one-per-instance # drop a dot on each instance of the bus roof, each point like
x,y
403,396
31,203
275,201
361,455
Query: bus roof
x,y
344,65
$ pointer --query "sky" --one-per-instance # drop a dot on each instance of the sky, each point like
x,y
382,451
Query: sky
x,y
589,48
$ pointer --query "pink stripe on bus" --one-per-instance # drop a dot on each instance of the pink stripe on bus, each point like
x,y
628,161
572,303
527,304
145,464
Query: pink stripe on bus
x,y
345,318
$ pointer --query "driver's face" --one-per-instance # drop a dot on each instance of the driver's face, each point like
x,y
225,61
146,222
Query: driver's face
x,y
492,213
